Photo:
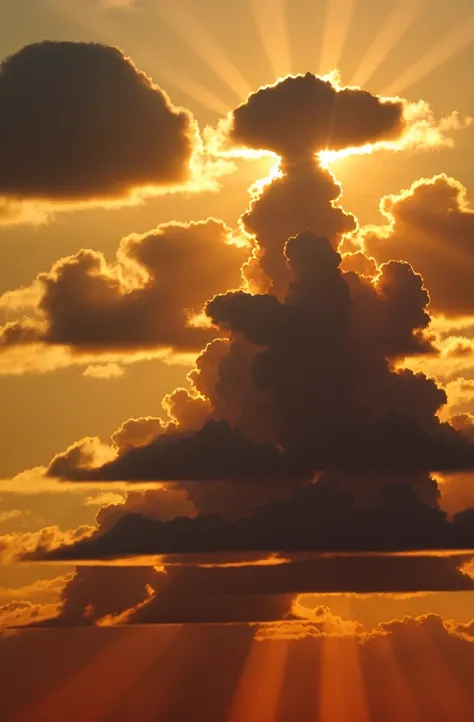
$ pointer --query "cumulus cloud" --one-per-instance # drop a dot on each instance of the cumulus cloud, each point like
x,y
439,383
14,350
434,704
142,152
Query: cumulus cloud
x,y
304,114
93,125
431,226
146,299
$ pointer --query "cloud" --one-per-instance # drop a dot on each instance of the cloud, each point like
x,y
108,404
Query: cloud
x,y
215,452
319,518
10,514
17,544
304,114
261,592
431,226
145,300
104,371
95,127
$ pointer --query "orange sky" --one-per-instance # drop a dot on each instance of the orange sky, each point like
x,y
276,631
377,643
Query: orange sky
x,y
382,656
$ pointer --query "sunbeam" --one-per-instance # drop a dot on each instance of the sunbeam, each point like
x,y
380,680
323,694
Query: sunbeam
x,y
387,671
194,90
342,689
256,697
396,25
270,19
339,15
200,40
125,659
458,39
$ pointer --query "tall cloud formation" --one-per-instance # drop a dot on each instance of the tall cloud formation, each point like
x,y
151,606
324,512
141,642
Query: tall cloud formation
x,y
145,299
298,118
79,122
306,376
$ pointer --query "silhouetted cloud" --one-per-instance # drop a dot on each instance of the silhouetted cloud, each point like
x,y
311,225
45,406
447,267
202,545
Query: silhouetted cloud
x,y
81,122
304,114
431,226
145,299
319,518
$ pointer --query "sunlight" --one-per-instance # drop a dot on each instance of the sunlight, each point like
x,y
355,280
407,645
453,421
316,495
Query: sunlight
x,y
139,649
194,90
184,23
342,686
450,697
453,43
402,705
395,27
339,15
271,22
257,696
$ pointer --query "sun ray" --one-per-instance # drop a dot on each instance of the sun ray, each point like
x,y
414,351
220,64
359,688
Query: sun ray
x,y
342,688
395,27
393,682
256,697
339,15
194,90
201,41
138,648
456,41
272,27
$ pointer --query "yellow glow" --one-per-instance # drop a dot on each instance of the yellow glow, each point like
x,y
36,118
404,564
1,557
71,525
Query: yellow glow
x,y
271,23
183,22
194,90
453,43
336,29
394,28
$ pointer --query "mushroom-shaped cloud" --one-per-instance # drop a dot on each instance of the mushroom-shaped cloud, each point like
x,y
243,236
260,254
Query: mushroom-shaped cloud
x,y
305,114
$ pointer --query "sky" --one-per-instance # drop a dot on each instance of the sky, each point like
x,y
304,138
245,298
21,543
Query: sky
x,y
236,360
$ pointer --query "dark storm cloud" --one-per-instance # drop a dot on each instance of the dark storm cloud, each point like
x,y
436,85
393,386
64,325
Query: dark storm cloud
x,y
304,114
79,121
430,225
143,300
319,518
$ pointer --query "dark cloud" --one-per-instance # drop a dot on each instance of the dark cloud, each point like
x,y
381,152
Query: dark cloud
x,y
143,300
304,197
319,518
215,452
317,375
304,114
296,118
79,121
431,226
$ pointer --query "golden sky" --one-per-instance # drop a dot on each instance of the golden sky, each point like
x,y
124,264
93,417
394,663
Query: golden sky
x,y
165,353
